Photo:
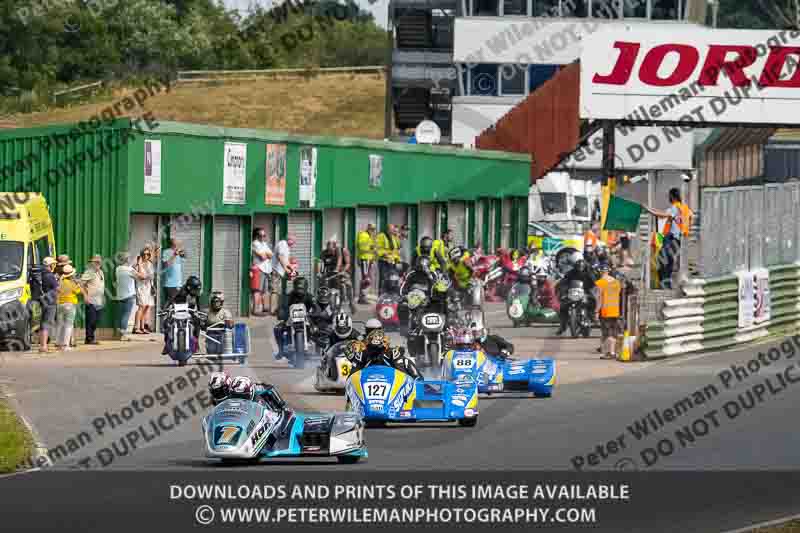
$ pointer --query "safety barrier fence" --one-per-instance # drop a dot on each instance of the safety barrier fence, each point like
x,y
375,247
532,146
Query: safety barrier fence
x,y
186,76
706,317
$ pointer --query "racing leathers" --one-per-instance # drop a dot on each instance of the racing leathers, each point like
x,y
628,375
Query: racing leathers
x,y
329,363
358,354
496,345
587,278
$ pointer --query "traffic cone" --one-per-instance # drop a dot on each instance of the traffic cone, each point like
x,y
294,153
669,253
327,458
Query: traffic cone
x,y
626,347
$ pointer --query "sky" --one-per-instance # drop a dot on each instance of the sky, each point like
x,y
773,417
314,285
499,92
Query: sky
x,y
379,8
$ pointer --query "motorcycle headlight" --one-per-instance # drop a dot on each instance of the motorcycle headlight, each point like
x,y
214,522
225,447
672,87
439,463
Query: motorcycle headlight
x,y
10,296
441,286
576,295
515,311
416,298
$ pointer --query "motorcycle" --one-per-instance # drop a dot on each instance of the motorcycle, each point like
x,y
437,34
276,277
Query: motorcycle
x,y
293,341
428,321
179,324
577,302
488,269
244,430
523,308
380,393
387,306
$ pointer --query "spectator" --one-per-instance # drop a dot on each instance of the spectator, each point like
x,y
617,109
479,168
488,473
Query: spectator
x,y
262,258
281,267
94,287
62,261
126,277
145,291
49,302
365,244
68,292
172,263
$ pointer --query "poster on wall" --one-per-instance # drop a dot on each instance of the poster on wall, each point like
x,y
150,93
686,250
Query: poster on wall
x,y
152,167
276,175
375,170
308,176
754,298
233,184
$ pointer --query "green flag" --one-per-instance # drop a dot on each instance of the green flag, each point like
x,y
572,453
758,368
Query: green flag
x,y
623,215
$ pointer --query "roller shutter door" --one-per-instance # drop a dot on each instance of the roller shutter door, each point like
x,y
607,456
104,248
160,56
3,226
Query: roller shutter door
x,y
227,259
143,231
190,233
427,221
457,221
332,226
492,226
301,225
505,233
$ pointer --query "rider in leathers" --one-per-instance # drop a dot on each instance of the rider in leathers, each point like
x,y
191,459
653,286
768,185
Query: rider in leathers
x,y
580,272
375,348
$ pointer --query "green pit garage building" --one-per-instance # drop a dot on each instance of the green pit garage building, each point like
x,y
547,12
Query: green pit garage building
x,y
117,187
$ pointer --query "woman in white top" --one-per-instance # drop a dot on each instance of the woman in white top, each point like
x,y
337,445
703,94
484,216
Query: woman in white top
x,y
145,291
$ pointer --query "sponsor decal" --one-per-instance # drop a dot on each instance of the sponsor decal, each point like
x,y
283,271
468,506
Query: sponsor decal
x,y
228,435
458,403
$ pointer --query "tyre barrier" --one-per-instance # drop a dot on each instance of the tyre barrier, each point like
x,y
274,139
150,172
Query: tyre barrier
x,y
707,316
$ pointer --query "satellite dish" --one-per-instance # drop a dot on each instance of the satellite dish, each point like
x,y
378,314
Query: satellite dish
x,y
428,132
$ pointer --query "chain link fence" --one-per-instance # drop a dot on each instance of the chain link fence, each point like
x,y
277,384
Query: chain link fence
x,y
745,228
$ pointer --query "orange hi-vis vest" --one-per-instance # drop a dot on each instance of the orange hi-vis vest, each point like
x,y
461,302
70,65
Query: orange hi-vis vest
x,y
610,297
682,220
590,239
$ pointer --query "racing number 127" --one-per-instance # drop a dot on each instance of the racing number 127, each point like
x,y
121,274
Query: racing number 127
x,y
376,389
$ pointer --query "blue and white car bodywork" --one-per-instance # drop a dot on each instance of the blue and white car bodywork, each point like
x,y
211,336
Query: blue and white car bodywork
x,y
499,374
245,430
382,394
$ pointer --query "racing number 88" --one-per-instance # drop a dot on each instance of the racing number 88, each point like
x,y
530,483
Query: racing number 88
x,y
463,363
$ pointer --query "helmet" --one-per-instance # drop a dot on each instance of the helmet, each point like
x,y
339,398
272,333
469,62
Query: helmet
x,y
604,267
242,387
425,246
377,342
342,325
424,263
580,265
456,253
324,296
300,285
525,275
217,300
371,325
193,286
463,338
219,385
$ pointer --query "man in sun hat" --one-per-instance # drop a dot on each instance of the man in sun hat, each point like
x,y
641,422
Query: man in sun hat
x,y
94,286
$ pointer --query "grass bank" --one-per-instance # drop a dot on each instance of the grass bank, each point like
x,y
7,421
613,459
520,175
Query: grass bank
x,y
15,440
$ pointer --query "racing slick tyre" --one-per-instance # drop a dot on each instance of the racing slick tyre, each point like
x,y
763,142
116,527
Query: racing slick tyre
x,y
182,344
374,424
468,422
299,350
542,395
434,355
517,324
348,459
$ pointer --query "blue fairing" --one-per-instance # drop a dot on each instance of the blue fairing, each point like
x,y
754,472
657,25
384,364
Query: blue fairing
x,y
384,394
496,374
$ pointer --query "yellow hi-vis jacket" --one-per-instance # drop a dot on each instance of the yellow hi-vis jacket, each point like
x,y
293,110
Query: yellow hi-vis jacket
x,y
388,247
366,246
434,262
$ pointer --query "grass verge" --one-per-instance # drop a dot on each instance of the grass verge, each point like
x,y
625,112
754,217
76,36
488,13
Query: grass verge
x,y
15,440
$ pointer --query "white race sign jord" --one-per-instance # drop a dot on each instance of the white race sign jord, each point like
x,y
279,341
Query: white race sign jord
x,y
233,174
691,74
428,132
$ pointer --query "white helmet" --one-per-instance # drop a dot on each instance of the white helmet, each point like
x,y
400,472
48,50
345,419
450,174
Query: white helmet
x,y
342,325
219,385
242,387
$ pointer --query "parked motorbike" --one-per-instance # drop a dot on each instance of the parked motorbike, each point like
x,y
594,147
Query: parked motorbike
x,y
523,308
294,342
580,317
488,269
180,323
387,307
